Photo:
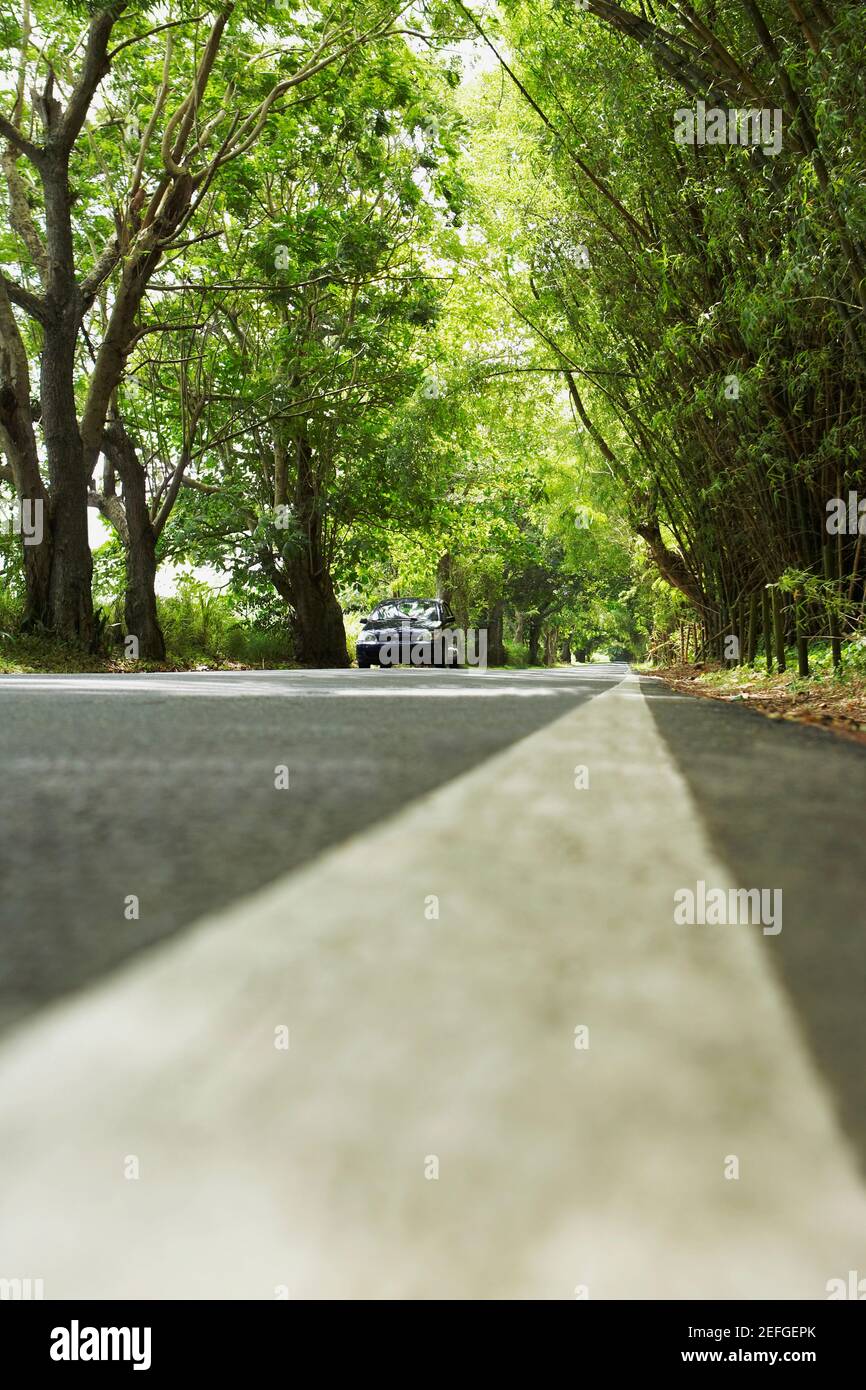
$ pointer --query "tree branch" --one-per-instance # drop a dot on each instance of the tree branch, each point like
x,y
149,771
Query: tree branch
x,y
14,136
26,300
20,216
160,28
95,66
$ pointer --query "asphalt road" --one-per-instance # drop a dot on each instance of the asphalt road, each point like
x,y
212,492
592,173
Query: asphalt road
x,y
163,787
511,1072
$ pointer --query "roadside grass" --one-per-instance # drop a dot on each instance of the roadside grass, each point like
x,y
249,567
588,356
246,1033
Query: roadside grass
x,y
200,635
40,655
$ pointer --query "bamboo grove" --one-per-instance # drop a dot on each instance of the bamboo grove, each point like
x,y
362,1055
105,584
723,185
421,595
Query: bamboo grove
x,y
707,300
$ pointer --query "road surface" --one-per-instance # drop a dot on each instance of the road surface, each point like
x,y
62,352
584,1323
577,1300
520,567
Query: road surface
x,y
422,1023
164,787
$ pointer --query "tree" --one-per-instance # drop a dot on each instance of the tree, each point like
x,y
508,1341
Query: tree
x,y
327,366
81,282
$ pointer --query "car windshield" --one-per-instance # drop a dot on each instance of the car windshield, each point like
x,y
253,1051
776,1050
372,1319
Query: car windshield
x,y
416,610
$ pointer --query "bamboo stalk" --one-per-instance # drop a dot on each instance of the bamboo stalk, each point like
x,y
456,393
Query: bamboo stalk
x,y
779,628
766,616
752,642
802,639
835,642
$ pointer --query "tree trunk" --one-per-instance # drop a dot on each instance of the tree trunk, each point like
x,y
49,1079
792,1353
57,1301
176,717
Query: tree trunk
x,y
70,600
534,633
139,536
496,653
139,611
444,582
37,580
320,634
671,564
18,442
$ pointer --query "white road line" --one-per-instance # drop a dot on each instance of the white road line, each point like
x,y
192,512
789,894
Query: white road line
x,y
413,1038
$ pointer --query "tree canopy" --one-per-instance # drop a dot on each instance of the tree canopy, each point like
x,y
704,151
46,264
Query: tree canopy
x,y
555,308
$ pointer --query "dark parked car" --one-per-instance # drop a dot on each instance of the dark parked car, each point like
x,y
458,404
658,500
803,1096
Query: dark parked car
x,y
409,632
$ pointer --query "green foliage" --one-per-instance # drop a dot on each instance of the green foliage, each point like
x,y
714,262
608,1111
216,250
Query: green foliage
x,y
418,333
203,626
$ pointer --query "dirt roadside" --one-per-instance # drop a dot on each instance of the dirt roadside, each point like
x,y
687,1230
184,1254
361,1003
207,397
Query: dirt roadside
x,y
821,700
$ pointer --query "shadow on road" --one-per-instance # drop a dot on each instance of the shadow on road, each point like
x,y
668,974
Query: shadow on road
x,y
163,788
785,807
